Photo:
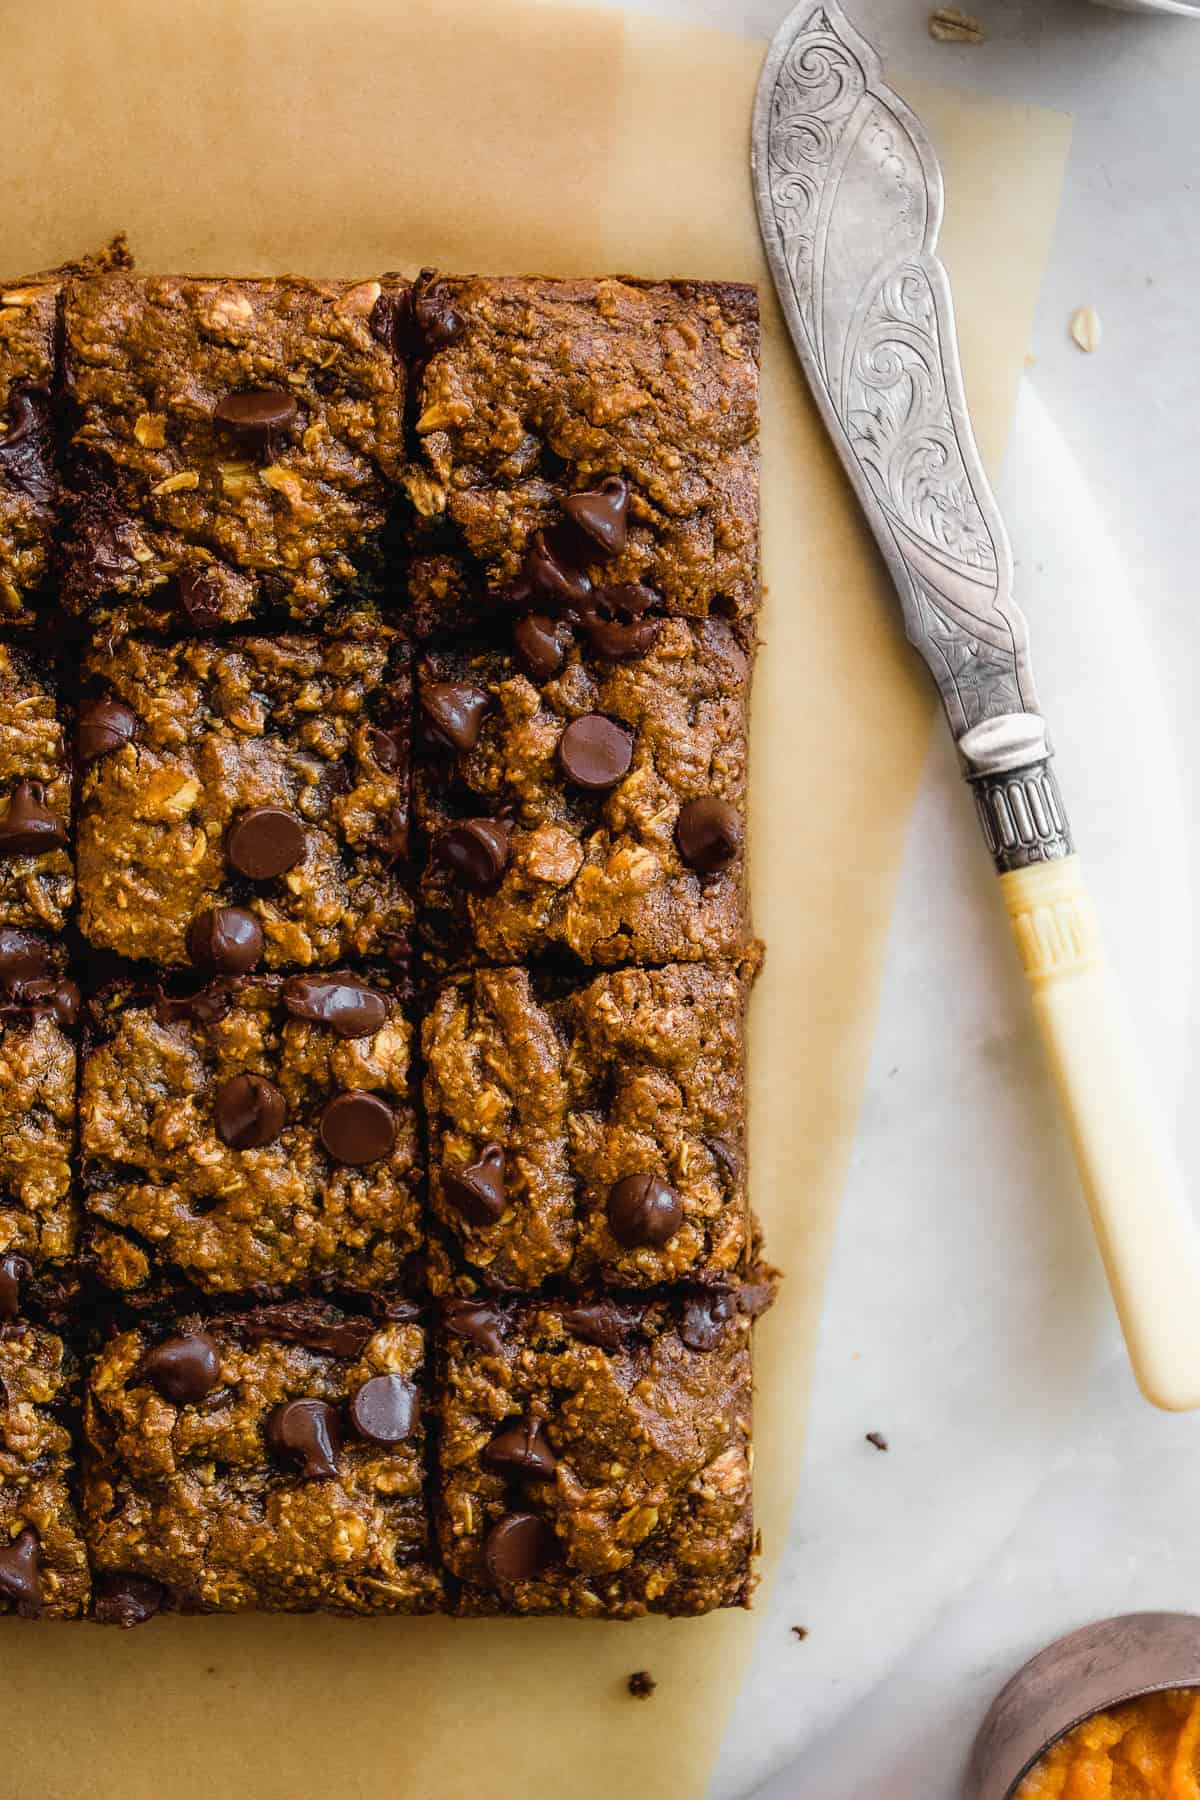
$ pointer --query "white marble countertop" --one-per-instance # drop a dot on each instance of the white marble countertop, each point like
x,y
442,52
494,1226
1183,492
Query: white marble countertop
x,y
1027,1488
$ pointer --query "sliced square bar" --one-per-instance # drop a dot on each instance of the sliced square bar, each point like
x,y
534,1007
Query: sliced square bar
x,y
576,434
270,1459
592,803
594,1457
43,1564
267,775
29,487
39,1206
592,1133
37,879
256,1134
234,448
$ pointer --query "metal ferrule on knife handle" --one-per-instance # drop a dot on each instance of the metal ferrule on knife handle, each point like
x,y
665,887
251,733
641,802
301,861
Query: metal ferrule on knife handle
x,y
849,196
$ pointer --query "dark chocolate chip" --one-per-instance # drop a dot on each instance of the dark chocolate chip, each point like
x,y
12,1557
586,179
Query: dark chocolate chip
x,y
205,1007
755,1297
614,619
727,1157
708,834
604,1323
23,957
705,1318
302,1322
433,310
104,725
199,598
14,1269
27,447
389,318
476,1190
476,850
540,645
349,1009
20,1572
126,1600
518,1548
477,1321
392,842
258,418
23,412
594,752
248,1111
453,713
643,1210
358,1128
522,1448
308,1432
58,1000
600,514
385,1409
385,748
549,574
227,938
265,842
184,1369
29,827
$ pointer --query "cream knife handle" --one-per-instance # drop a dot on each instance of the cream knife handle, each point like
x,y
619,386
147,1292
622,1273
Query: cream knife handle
x,y
1147,1232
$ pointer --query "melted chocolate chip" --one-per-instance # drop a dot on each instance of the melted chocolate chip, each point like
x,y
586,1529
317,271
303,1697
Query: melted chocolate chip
x,y
604,1323
708,834
477,1321
259,419
615,622
727,1157
595,752
104,725
549,575
14,1269
301,1322
27,447
227,938
540,643
349,1009
385,1409
184,1369
392,842
385,748
126,1600
476,850
642,1210
48,998
433,311
248,1112
453,713
265,842
29,827
600,515
205,1007
308,1432
521,1448
358,1128
476,1190
20,1572
518,1548
23,957
705,1318
389,321
199,598
755,1297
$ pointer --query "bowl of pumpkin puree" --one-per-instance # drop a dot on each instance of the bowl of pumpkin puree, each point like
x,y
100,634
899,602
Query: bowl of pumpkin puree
x,y
1110,1712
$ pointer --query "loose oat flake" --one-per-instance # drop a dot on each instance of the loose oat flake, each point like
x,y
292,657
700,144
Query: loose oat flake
x,y
950,25
1085,328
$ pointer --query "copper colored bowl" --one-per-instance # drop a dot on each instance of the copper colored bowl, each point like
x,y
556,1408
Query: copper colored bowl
x,y
1097,1667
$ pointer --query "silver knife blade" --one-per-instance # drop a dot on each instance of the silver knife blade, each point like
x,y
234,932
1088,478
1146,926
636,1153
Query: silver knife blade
x,y
850,198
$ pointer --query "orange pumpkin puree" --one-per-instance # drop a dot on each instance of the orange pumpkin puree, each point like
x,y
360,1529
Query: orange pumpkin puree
x,y
1146,1750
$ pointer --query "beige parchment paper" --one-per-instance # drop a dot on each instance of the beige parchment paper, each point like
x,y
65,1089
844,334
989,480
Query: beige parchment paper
x,y
349,136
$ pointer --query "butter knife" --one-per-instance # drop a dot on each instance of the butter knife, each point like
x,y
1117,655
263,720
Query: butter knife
x,y
849,197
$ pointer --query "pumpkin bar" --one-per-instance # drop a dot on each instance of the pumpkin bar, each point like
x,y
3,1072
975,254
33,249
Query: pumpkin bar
x,y
266,1459
251,788
576,435
234,447
586,797
43,1564
37,880
594,1456
592,1134
39,1212
257,1133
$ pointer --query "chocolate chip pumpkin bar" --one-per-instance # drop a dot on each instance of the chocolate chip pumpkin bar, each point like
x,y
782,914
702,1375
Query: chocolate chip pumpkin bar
x,y
245,800
235,446
43,1564
269,1459
29,490
586,797
596,1133
37,880
258,1133
594,1456
39,1210
576,435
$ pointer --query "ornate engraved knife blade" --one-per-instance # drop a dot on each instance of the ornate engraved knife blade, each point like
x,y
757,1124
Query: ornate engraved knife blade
x,y
849,196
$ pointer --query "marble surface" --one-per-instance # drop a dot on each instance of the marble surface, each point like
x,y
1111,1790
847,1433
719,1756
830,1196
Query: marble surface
x,y
1027,1487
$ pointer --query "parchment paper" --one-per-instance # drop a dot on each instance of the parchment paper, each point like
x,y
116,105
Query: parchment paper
x,y
348,136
